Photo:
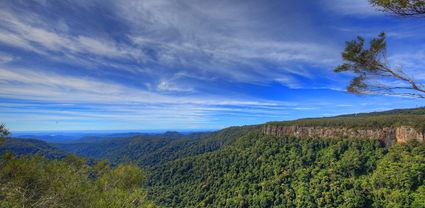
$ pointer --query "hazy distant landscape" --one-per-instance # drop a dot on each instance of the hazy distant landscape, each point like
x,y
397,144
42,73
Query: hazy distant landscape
x,y
245,103
69,136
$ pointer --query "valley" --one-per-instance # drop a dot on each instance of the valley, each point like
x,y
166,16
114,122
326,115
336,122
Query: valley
x,y
258,166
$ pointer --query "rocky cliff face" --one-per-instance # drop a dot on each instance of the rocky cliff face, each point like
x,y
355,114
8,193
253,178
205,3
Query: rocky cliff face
x,y
405,134
388,135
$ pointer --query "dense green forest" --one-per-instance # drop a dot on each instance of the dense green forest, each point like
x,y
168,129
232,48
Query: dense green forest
x,y
151,150
262,171
233,167
31,146
393,118
34,181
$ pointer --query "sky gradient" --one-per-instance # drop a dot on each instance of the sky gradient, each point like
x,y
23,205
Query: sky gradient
x,y
168,64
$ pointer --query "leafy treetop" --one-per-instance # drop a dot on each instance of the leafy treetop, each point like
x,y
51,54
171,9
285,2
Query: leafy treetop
x,y
374,74
401,7
3,132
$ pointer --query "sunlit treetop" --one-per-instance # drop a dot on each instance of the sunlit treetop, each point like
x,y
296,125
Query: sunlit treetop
x,y
401,7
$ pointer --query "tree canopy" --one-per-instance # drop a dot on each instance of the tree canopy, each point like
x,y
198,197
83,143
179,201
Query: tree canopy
x,y
3,132
264,171
34,181
401,7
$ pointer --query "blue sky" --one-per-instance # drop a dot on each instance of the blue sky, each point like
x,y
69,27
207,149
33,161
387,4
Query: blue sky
x,y
168,64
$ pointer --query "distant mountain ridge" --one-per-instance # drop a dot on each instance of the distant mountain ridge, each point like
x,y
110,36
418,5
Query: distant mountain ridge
x,y
405,111
31,146
398,125
150,150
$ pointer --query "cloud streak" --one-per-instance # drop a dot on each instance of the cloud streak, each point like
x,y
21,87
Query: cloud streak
x,y
163,34
43,86
359,8
129,63
20,33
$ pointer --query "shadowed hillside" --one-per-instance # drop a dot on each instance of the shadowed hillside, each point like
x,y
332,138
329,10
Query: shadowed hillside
x,y
150,150
30,146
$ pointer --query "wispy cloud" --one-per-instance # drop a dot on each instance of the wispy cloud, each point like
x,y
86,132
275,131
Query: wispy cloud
x,y
44,86
412,62
232,44
30,34
358,8
173,35
5,58
166,63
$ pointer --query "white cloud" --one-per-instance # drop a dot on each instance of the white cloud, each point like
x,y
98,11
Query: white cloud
x,y
221,41
103,48
358,8
9,38
29,34
52,97
169,86
5,58
44,86
412,62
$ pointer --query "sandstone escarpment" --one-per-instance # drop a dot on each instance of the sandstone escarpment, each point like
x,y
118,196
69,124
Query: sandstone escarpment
x,y
405,134
387,135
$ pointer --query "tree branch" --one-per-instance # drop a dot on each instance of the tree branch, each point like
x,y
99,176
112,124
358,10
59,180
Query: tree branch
x,y
370,64
405,78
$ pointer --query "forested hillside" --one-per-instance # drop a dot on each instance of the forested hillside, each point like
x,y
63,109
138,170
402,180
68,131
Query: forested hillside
x,y
233,167
395,112
394,118
369,122
30,146
263,171
150,150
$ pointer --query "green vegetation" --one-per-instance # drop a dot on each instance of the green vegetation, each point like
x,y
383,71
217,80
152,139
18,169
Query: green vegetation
x,y
33,181
409,117
373,73
151,150
30,146
259,171
234,167
401,7
4,132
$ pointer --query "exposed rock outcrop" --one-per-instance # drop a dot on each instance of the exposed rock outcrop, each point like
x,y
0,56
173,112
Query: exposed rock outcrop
x,y
387,135
405,134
